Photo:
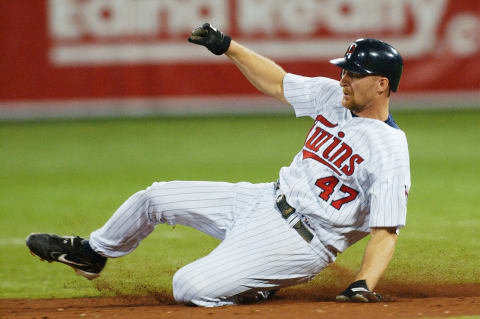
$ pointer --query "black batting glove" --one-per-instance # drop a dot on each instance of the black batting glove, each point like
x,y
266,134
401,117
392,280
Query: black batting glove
x,y
211,38
358,292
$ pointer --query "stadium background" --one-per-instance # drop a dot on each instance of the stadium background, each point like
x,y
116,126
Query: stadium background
x,y
99,57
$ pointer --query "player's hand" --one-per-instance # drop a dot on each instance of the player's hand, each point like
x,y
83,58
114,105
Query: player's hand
x,y
211,38
358,292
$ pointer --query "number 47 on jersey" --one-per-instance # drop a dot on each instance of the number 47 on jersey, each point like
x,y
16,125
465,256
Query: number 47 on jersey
x,y
328,185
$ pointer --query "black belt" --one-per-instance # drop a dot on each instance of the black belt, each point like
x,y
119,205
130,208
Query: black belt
x,y
287,211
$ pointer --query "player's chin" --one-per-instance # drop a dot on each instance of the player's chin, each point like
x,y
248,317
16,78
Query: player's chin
x,y
347,102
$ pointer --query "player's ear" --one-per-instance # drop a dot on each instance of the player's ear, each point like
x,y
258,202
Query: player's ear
x,y
383,85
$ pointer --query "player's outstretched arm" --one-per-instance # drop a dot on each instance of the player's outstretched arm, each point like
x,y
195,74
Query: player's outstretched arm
x,y
377,256
263,73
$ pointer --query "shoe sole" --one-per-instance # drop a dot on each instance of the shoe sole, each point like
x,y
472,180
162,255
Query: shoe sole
x,y
88,275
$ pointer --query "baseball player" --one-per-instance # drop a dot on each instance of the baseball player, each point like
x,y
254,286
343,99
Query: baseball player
x,y
351,178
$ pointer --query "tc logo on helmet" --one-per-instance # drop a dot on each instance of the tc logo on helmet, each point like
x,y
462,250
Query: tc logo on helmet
x,y
350,50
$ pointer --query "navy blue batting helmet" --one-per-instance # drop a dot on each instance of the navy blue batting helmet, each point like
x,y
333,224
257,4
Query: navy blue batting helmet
x,y
373,57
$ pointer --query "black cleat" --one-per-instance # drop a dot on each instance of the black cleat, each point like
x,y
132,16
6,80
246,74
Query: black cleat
x,y
67,250
257,296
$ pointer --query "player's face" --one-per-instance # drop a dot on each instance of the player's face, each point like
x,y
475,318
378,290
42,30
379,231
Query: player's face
x,y
358,90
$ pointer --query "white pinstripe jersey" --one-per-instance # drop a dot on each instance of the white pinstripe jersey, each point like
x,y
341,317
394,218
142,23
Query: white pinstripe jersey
x,y
352,174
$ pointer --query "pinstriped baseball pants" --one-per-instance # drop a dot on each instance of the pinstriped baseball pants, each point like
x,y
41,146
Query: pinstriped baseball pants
x,y
259,249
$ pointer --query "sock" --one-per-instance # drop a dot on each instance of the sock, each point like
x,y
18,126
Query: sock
x,y
90,252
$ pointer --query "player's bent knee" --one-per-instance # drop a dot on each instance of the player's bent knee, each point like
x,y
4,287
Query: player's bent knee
x,y
182,290
192,288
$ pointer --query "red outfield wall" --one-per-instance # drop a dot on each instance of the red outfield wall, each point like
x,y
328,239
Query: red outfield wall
x,y
84,50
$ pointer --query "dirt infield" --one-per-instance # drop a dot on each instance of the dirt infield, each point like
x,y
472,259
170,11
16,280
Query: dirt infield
x,y
440,301
148,307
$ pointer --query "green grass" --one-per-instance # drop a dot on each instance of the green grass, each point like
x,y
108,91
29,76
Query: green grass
x,y
68,177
